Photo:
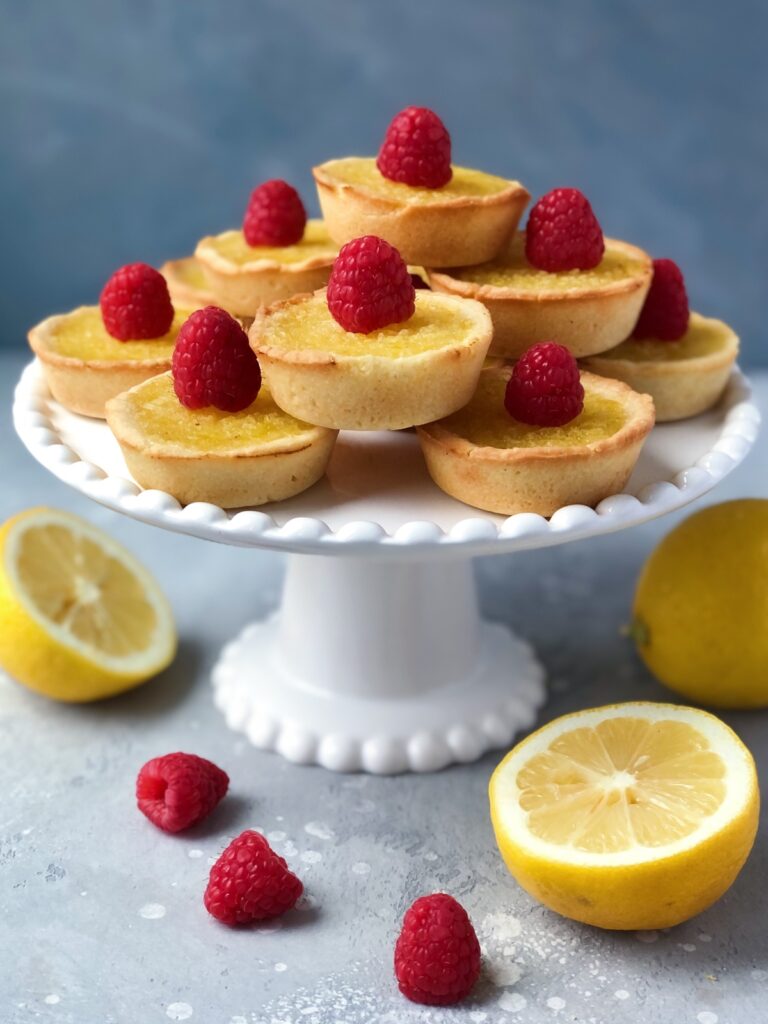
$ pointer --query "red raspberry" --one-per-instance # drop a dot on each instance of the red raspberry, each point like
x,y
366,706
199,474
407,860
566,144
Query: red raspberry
x,y
545,389
370,286
563,233
135,303
437,956
416,149
275,215
213,364
178,790
249,882
664,316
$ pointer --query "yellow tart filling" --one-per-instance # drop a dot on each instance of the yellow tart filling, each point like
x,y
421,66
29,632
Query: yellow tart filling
x,y
465,182
486,423
315,244
514,271
308,325
702,338
190,272
162,419
82,335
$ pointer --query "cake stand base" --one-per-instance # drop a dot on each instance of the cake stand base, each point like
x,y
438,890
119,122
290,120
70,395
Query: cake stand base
x,y
378,666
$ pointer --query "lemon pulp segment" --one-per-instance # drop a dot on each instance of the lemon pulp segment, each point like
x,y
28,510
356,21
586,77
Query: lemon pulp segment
x,y
82,335
465,182
514,271
485,421
309,325
161,417
703,337
315,243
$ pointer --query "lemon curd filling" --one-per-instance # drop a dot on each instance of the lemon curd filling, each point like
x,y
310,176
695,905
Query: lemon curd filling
x,y
82,335
486,423
358,170
702,338
309,325
514,271
190,271
162,418
315,243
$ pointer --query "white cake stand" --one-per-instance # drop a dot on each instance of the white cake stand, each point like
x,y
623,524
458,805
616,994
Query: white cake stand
x,y
378,659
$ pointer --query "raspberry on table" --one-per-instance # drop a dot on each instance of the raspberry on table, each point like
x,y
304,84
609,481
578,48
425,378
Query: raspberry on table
x,y
213,364
250,882
416,149
437,955
665,313
563,233
136,304
370,287
177,790
275,215
545,388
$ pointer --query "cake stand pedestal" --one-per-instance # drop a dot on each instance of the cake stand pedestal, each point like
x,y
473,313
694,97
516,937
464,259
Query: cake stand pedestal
x,y
378,659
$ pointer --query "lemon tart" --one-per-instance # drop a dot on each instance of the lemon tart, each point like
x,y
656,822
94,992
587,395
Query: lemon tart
x,y
588,311
487,459
244,277
684,377
397,376
188,284
251,457
84,365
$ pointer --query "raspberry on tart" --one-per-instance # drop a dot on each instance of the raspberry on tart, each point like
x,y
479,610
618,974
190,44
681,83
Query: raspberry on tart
x,y
370,286
213,364
664,316
563,233
545,388
416,149
136,304
275,215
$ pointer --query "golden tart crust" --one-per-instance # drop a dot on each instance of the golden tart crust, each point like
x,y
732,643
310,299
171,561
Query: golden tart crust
x,y
681,385
587,311
85,384
445,229
265,275
243,471
540,478
402,375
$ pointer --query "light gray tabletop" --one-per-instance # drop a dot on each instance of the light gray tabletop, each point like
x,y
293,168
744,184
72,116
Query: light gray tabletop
x,y
101,915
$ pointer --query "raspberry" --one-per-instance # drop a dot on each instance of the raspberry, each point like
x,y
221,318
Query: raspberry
x,y
249,882
275,215
545,389
370,286
178,790
563,233
213,364
416,149
437,956
135,303
664,316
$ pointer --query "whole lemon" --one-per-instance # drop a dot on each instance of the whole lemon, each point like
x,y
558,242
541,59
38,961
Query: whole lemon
x,y
700,616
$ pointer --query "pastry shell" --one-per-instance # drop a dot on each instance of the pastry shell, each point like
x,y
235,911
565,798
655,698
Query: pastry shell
x,y
540,479
679,387
372,391
586,320
461,230
249,475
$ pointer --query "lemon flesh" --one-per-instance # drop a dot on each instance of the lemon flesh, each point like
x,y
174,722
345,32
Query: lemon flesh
x,y
80,618
82,335
363,172
631,816
485,421
315,244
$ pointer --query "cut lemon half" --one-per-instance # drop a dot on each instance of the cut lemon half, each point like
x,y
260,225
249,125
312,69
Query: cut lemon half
x,y
80,618
632,816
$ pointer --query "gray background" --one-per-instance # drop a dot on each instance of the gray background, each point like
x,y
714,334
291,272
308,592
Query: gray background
x,y
129,129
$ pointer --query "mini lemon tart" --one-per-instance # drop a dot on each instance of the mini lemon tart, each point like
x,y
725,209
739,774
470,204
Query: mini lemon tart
x,y
397,376
469,220
684,377
588,311
229,459
85,366
188,284
487,459
244,277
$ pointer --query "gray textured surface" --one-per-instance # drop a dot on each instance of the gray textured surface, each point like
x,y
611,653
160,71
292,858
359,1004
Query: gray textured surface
x,y
78,862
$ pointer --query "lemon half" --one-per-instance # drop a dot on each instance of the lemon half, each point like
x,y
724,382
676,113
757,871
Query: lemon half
x,y
633,816
80,618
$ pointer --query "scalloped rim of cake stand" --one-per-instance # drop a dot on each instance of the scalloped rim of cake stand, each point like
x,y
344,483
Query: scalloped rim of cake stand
x,y
472,536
